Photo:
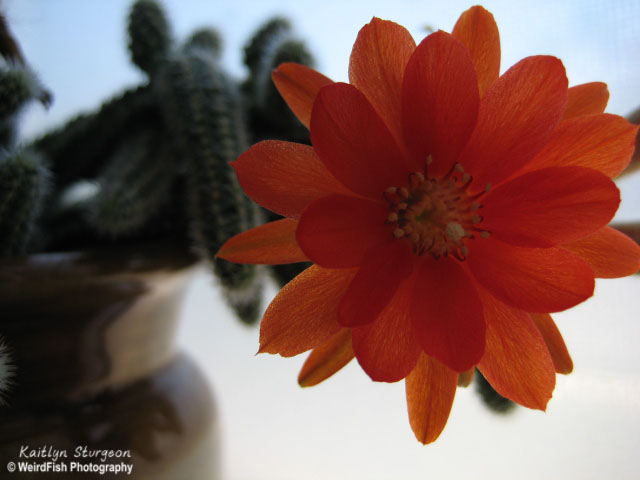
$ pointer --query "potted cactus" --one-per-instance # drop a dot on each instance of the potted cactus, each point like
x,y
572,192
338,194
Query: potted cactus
x,y
101,221
153,162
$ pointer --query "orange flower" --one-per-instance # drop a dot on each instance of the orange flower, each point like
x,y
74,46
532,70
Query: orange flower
x,y
447,210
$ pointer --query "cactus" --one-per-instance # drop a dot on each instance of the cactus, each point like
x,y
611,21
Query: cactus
x,y
202,108
492,399
153,162
133,186
23,184
269,116
149,35
268,100
206,38
246,302
80,148
17,86
263,40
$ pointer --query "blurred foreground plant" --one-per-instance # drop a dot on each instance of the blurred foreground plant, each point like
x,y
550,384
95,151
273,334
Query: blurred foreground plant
x,y
152,163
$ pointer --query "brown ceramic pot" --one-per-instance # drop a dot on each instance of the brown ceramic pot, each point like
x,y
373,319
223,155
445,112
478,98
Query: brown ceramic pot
x,y
91,336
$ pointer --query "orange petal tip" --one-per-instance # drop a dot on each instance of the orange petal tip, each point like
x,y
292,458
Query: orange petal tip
x,y
327,359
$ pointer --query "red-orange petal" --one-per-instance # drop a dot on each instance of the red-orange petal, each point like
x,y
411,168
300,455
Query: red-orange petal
x,y
285,177
610,253
336,231
384,268
327,359
516,118
555,343
516,361
586,99
440,101
299,85
603,142
376,68
304,314
477,30
354,143
539,280
447,314
430,389
547,207
269,244
387,349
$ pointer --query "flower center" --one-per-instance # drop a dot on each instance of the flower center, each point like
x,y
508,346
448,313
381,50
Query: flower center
x,y
436,215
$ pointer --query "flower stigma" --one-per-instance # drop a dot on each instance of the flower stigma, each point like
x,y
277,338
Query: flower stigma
x,y
436,215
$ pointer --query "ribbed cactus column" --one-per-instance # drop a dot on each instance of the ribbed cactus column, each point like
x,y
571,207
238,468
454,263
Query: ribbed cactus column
x,y
203,111
24,178
81,148
134,186
149,35
207,39
269,116
153,162
492,399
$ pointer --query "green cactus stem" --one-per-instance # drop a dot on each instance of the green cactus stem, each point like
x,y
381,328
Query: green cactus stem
x,y
23,185
133,187
63,224
263,40
80,148
275,112
70,223
283,274
492,399
246,302
268,115
202,109
149,35
206,38
17,86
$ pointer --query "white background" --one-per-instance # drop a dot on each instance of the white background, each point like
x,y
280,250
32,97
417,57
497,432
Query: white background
x,y
349,427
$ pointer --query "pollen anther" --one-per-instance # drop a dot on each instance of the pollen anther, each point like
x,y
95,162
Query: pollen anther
x,y
436,215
